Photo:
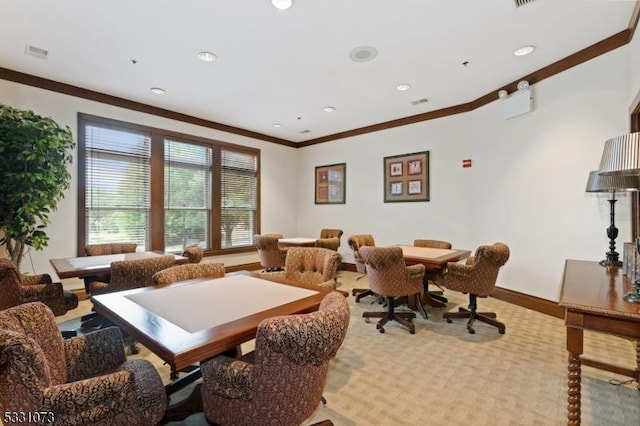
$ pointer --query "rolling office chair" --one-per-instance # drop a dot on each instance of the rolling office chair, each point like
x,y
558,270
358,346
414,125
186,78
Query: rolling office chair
x,y
477,278
356,242
272,256
390,277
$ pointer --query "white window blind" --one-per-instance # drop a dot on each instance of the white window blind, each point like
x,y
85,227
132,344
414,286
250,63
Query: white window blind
x,y
117,197
239,198
187,195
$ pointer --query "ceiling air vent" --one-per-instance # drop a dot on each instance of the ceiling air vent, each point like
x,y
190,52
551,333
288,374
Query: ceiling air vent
x,y
420,101
302,132
520,3
36,52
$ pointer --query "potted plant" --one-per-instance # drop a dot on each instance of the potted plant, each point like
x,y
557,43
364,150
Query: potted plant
x,y
34,155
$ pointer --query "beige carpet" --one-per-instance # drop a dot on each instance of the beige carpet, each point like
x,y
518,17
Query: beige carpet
x,y
443,375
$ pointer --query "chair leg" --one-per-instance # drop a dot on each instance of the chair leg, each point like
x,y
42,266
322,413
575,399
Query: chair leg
x,y
472,314
404,318
362,292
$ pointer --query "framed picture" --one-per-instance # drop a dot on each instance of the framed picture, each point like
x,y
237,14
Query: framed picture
x,y
331,184
406,177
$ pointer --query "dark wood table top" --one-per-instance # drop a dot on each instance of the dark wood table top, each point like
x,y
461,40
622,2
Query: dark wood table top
x,y
180,347
72,267
592,288
432,258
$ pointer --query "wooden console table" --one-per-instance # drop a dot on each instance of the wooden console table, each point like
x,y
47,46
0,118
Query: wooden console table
x,y
592,295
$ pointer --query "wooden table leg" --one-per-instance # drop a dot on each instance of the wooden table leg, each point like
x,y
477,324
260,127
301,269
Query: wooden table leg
x,y
575,348
638,363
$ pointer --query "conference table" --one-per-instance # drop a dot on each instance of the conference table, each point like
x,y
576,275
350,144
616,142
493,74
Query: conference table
x,y
434,260
188,322
86,266
593,298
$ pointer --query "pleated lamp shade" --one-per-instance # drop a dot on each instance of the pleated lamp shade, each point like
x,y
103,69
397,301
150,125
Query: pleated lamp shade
x,y
621,155
611,183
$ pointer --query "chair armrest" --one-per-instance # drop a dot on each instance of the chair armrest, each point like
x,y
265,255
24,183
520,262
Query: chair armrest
x,y
42,292
36,279
86,401
94,353
328,284
458,270
228,377
415,272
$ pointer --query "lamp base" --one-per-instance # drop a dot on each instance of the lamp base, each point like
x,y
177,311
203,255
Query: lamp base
x,y
610,262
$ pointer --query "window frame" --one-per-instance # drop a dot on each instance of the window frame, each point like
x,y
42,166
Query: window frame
x,y
157,182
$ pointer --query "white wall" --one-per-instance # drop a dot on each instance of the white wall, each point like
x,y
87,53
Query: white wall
x,y
278,184
525,188
446,216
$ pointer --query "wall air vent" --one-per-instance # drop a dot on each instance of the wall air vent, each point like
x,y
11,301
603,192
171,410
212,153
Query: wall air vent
x,y
420,101
520,3
36,52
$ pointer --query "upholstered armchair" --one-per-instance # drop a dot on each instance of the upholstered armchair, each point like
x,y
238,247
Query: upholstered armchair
x,y
109,248
355,242
432,276
128,274
312,265
329,238
16,289
82,380
188,271
477,278
272,256
193,253
390,277
103,250
282,381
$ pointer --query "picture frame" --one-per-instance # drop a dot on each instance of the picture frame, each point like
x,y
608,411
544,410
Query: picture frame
x,y
330,184
406,177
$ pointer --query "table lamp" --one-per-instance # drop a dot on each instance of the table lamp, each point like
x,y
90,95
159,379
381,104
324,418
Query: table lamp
x,y
612,184
621,157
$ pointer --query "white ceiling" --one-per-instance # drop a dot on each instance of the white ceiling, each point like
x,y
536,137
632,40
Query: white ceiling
x,y
283,67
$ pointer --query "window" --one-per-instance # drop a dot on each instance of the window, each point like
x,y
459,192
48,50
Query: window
x,y
163,190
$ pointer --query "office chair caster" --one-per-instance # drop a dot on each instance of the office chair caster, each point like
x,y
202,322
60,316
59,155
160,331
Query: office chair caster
x,y
381,330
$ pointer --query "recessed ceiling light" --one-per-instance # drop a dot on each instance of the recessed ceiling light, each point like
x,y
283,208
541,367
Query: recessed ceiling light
x,y
363,53
207,56
524,50
158,90
282,4
403,87
329,108
277,125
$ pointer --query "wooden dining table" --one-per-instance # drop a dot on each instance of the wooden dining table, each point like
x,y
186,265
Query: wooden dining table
x,y
297,242
187,322
86,266
434,260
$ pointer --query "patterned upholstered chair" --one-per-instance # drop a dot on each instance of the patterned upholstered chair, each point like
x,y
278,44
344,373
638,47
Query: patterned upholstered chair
x,y
355,242
188,271
477,278
82,380
109,248
103,250
272,256
128,274
329,238
281,382
312,265
432,276
193,253
16,289
390,277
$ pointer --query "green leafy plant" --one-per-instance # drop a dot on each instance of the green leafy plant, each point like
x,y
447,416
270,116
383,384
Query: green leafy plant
x,y
34,154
